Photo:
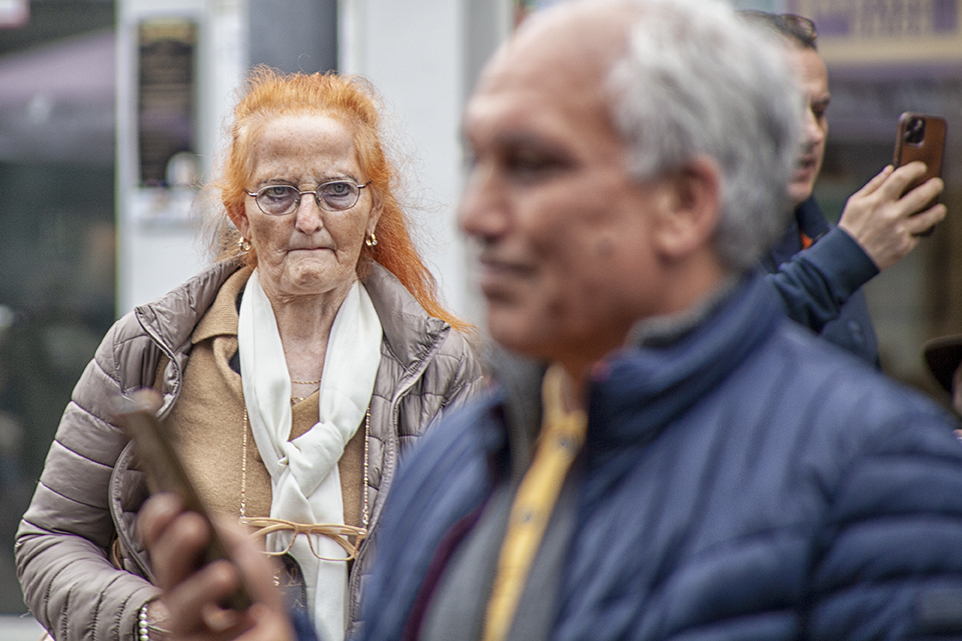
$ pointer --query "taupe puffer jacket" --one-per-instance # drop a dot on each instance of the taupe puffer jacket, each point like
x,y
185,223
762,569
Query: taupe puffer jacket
x,y
88,494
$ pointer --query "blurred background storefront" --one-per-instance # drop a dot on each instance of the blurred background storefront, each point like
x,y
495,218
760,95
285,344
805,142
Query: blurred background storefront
x,y
112,110
57,95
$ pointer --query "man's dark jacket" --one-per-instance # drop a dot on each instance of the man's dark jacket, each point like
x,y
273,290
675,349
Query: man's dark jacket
x,y
743,481
821,285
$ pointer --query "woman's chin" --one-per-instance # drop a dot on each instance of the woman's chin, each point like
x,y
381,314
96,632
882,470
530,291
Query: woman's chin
x,y
316,279
304,273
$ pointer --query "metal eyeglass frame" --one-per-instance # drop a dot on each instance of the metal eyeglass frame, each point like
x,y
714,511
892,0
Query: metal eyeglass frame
x,y
314,192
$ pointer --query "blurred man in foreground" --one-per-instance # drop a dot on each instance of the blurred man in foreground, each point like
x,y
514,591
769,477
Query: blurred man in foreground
x,y
668,456
819,270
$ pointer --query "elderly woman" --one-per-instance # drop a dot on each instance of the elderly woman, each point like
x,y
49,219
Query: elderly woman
x,y
293,373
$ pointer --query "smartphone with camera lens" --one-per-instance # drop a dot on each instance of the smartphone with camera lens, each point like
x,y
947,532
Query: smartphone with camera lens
x,y
165,471
920,137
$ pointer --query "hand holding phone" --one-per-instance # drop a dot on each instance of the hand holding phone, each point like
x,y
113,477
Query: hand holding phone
x,y
193,598
135,413
886,217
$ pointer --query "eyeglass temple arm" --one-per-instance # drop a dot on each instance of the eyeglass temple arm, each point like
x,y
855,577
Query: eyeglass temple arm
x,y
337,533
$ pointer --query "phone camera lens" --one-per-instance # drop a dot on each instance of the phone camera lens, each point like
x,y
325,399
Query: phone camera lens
x,y
915,131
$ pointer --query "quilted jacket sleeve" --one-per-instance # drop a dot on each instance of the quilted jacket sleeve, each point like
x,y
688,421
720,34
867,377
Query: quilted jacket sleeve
x,y
466,380
890,566
818,281
63,540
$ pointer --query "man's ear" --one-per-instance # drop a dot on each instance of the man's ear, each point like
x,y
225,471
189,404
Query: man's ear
x,y
691,208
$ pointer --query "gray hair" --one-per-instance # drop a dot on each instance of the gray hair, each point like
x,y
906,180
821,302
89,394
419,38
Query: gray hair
x,y
697,80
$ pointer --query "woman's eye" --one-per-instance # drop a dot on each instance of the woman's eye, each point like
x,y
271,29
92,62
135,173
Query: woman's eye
x,y
337,189
277,191
338,195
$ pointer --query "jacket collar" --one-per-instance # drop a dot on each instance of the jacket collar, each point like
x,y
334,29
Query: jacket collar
x,y
671,363
518,396
811,220
640,389
221,318
411,335
807,219
409,332
170,320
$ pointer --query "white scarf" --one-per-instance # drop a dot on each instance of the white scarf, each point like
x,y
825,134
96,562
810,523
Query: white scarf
x,y
305,482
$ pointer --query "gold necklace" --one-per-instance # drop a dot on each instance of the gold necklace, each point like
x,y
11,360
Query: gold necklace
x,y
365,511
297,399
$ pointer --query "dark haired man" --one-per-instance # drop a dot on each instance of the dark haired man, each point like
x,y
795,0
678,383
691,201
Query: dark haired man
x,y
819,269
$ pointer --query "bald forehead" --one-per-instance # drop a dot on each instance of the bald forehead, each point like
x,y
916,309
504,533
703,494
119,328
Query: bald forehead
x,y
575,43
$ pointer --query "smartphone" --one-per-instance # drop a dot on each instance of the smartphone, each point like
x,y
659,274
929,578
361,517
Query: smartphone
x,y
920,137
166,473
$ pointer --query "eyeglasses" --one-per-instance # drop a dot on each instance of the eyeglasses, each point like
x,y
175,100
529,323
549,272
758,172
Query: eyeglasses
x,y
346,536
280,200
788,24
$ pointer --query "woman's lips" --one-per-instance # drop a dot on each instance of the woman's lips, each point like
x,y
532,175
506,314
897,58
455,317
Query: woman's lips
x,y
310,249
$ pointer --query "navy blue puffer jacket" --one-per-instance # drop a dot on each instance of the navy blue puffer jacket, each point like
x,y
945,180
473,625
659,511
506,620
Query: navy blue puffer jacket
x,y
746,481
821,286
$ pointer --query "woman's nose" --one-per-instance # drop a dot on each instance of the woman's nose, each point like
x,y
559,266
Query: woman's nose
x,y
308,217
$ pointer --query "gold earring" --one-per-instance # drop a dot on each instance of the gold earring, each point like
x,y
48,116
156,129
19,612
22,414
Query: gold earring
x,y
372,241
244,244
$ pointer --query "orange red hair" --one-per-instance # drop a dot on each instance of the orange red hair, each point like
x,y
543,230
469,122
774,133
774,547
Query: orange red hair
x,y
353,102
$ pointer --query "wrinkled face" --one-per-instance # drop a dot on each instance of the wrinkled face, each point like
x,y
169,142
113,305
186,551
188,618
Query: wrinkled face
x,y
310,251
565,260
813,79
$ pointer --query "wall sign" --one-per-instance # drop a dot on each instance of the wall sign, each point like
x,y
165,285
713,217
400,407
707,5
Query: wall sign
x,y
885,31
165,95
